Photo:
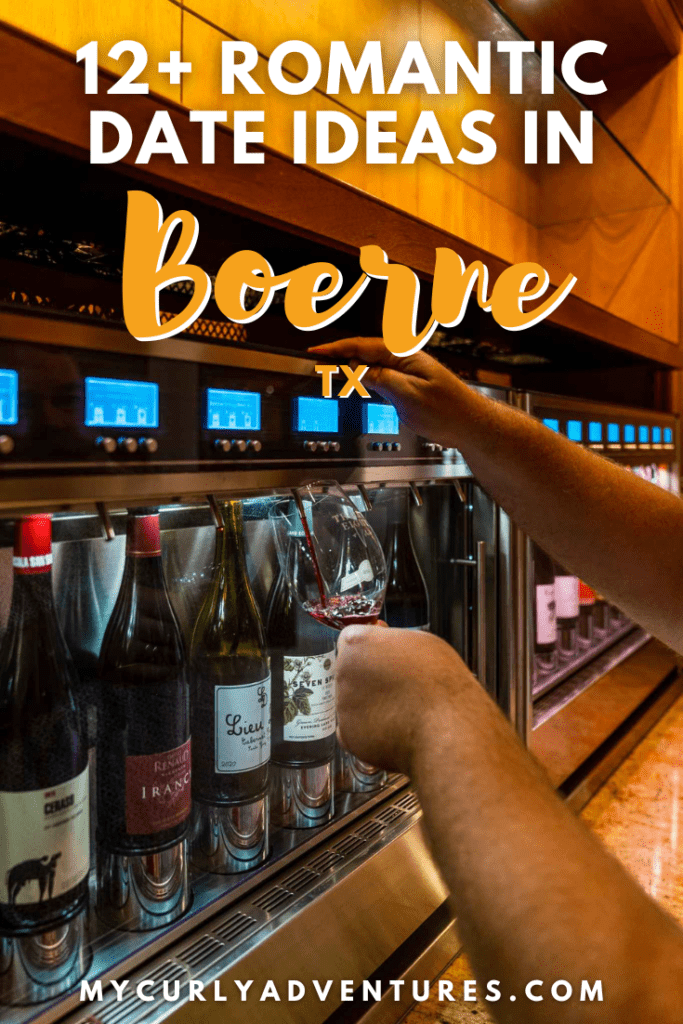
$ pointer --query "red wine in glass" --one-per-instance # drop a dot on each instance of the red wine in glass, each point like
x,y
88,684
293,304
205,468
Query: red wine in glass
x,y
339,612
341,574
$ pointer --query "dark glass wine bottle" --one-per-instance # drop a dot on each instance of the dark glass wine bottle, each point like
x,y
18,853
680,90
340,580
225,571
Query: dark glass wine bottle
x,y
143,757
45,847
82,622
545,612
302,654
230,681
406,601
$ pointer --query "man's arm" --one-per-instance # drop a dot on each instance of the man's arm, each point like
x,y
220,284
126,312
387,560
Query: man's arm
x,y
535,894
619,533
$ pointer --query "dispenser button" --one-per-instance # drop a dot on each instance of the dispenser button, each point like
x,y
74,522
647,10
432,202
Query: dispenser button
x,y
223,444
335,446
241,446
107,444
254,446
150,444
311,446
6,444
396,446
128,444
429,447
325,446
377,446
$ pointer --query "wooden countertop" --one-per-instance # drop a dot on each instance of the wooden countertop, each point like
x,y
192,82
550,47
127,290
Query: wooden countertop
x,y
638,815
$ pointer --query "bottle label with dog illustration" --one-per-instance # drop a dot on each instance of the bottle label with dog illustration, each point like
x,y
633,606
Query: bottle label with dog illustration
x,y
44,842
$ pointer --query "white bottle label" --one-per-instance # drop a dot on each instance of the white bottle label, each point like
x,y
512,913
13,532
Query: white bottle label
x,y
310,697
421,629
567,597
545,614
242,717
44,841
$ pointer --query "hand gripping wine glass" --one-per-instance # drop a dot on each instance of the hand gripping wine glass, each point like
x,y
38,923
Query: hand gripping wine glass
x,y
329,555
334,566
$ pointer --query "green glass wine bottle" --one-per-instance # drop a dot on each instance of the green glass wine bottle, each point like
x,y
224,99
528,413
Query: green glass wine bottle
x,y
230,713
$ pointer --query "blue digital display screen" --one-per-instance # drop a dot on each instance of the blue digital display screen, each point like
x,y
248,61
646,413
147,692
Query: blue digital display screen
x,y
232,410
668,435
317,415
9,397
379,419
643,434
613,433
629,434
552,424
121,403
656,435
595,432
574,430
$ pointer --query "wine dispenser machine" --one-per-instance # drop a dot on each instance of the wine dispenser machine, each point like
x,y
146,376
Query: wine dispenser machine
x,y
147,452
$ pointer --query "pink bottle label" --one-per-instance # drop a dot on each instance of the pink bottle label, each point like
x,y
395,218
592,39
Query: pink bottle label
x,y
158,790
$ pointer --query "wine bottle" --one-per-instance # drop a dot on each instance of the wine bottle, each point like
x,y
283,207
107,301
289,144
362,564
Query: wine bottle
x,y
44,846
567,609
144,759
600,613
586,612
406,601
545,624
231,714
83,624
302,659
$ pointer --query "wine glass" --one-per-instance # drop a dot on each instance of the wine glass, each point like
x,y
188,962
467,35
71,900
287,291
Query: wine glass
x,y
329,555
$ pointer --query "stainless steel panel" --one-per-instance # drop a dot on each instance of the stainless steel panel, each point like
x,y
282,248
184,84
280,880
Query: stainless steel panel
x,y
339,915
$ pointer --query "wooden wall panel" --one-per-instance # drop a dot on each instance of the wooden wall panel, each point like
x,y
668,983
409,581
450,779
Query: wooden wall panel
x,y
649,295
155,23
600,252
646,125
614,257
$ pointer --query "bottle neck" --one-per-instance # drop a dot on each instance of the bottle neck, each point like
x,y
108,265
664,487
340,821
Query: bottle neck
x,y
32,596
143,551
230,539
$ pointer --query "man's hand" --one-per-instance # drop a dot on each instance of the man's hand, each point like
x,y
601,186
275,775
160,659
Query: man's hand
x,y
427,396
391,684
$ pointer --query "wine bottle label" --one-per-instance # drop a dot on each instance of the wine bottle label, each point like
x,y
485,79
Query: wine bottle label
x,y
566,597
363,574
586,594
158,790
242,722
545,614
310,697
44,841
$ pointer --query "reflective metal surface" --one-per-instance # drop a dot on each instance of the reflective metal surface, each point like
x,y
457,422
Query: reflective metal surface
x,y
35,968
355,776
229,839
143,892
339,913
301,797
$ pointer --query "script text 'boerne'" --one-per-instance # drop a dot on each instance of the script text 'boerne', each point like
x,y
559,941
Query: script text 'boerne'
x,y
148,268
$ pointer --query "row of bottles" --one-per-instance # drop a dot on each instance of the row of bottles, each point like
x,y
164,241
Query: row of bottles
x,y
176,747
569,616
